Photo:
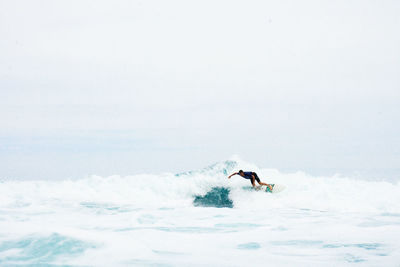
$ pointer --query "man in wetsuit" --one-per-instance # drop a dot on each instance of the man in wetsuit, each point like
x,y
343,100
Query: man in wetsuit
x,y
252,176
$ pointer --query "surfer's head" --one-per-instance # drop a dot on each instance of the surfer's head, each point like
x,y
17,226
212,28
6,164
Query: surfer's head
x,y
240,172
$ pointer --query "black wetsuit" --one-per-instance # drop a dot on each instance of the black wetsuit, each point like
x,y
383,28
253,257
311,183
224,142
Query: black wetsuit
x,y
248,175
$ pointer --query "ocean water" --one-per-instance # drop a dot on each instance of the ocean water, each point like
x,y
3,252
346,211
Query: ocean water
x,y
200,218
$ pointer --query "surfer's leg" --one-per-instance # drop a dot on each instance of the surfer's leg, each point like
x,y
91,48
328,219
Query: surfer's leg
x,y
258,179
270,186
252,182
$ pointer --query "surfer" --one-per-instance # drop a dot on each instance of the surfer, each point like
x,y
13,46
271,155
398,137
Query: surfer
x,y
252,176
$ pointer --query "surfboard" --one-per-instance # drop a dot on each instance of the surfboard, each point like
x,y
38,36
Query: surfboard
x,y
276,188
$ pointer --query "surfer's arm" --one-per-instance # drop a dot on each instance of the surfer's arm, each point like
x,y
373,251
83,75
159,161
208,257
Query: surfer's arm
x,y
232,175
253,179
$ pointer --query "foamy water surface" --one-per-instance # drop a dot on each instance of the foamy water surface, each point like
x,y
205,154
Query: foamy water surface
x,y
145,220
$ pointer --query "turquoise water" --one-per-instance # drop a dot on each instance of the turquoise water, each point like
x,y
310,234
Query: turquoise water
x,y
41,250
217,197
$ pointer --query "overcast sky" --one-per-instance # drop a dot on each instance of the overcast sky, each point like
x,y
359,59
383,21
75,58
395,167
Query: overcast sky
x,y
124,87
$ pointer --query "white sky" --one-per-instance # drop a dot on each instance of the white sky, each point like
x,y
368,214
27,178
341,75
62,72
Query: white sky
x,y
145,86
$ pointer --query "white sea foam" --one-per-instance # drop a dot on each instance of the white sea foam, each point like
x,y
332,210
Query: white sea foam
x,y
151,219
